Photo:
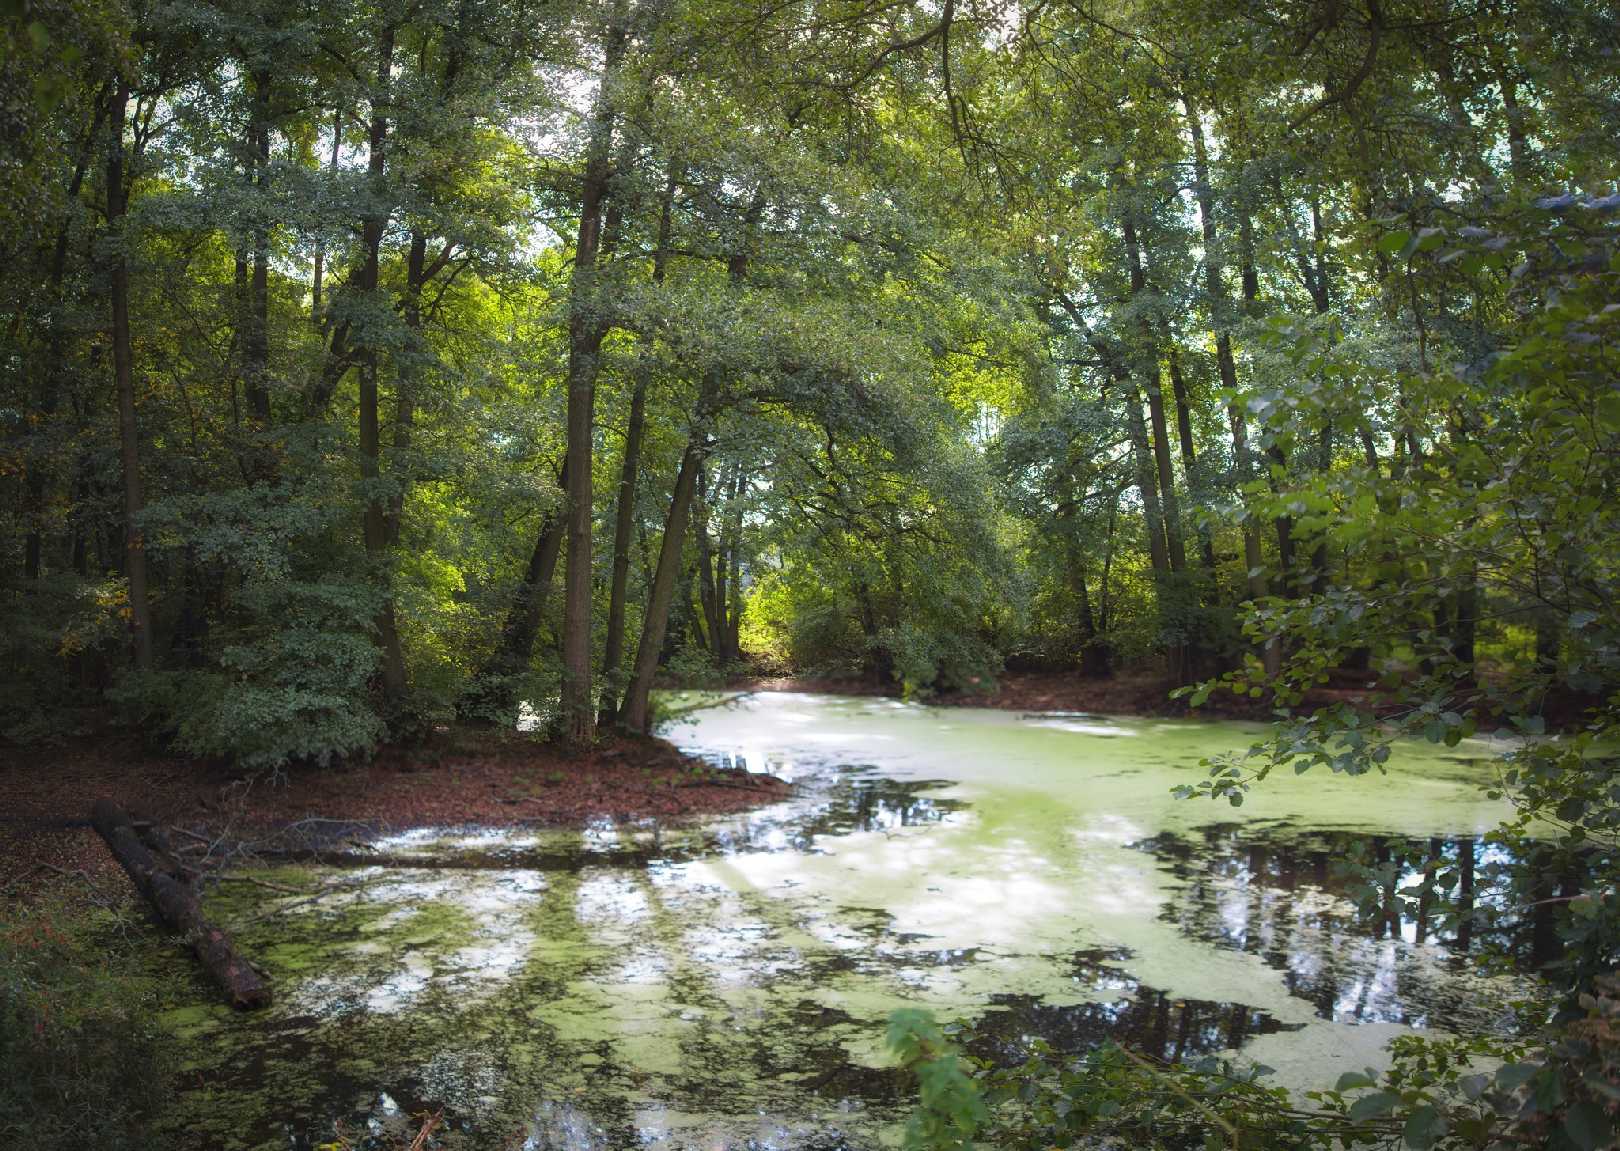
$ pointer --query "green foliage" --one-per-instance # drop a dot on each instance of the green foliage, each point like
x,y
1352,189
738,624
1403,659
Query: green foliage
x,y
57,635
1061,342
1434,1095
1513,504
82,1062
949,1111
926,660
292,686
692,667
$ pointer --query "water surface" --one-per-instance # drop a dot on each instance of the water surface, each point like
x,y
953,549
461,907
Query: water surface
x,y
725,985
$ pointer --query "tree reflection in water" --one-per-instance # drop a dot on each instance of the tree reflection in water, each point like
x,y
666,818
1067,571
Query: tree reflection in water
x,y
1142,1018
1356,922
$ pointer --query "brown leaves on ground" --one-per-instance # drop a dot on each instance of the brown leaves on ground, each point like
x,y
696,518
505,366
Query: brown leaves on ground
x,y
458,778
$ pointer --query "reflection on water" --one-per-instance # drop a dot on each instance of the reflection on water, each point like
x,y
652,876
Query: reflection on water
x,y
1142,1018
725,984
1284,899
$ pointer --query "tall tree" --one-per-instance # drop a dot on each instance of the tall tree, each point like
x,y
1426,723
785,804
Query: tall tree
x,y
587,327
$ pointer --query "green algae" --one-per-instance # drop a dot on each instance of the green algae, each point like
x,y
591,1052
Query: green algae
x,y
726,983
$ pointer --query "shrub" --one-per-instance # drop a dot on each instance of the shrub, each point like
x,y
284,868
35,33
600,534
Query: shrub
x,y
930,659
1432,1098
83,1064
294,685
691,667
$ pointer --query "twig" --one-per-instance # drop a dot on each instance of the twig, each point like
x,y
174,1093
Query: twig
x,y
430,1124
1209,1112
265,883
305,902
102,898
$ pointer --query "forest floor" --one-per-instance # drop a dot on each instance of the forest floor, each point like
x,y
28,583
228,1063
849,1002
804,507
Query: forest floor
x,y
459,778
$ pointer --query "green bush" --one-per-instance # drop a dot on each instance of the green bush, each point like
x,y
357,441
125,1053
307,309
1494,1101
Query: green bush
x,y
1432,1098
929,659
82,1062
294,685
691,667
59,634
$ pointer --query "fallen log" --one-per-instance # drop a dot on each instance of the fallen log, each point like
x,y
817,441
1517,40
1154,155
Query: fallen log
x,y
177,905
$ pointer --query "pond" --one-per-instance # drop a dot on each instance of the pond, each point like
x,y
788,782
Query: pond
x,y
726,985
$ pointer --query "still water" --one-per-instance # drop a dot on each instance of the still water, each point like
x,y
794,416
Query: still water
x,y
726,985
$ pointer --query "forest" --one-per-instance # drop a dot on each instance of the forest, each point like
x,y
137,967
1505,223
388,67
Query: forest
x,y
381,377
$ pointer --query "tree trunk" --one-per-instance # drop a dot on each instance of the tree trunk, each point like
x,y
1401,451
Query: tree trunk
x,y
1105,602
375,526
1189,457
1272,653
1148,358
515,648
734,553
693,609
405,381
586,331
140,608
1219,311
722,580
1167,480
1163,506
623,527
634,716
707,589
256,326
882,659
1319,555
177,905
1146,481
1287,578
320,240
1093,653
625,512
56,345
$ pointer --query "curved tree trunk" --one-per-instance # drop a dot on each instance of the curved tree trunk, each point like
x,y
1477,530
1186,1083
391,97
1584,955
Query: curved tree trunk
x,y
634,713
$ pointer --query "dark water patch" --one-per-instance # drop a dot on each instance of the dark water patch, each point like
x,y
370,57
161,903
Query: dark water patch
x,y
864,801
1142,1018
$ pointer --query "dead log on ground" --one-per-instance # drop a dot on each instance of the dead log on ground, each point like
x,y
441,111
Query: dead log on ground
x,y
177,905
